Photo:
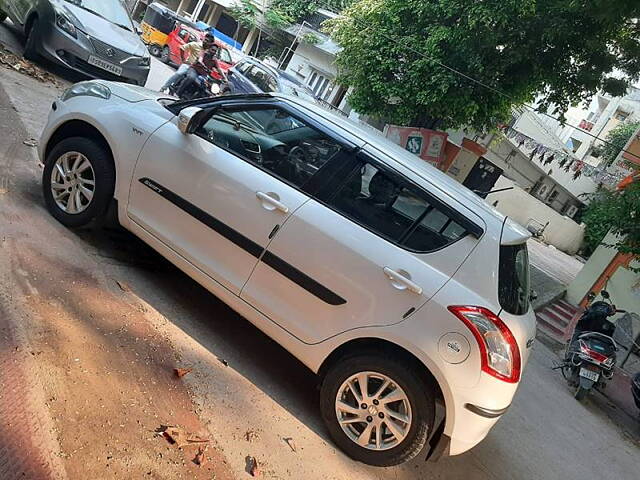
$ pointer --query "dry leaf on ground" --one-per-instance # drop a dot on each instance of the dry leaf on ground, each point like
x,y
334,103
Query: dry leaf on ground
x,y
181,372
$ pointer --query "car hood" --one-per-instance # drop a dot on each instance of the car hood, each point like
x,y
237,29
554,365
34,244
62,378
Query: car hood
x,y
134,93
103,30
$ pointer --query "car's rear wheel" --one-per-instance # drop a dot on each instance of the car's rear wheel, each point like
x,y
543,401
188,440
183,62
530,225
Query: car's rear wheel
x,y
78,181
165,54
33,39
378,410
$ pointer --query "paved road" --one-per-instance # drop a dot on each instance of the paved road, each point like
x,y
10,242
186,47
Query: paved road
x,y
545,435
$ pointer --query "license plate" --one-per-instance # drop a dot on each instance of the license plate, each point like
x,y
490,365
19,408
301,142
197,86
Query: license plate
x,y
109,67
591,375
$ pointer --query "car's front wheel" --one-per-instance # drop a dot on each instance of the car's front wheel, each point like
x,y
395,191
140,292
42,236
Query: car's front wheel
x,y
378,410
78,181
33,39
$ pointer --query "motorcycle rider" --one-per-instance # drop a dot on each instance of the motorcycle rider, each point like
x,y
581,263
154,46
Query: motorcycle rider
x,y
191,53
208,62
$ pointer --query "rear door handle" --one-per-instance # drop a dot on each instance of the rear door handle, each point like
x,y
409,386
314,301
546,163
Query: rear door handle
x,y
401,282
274,203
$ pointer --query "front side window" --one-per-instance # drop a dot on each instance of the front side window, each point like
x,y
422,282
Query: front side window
x,y
272,139
514,282
390,207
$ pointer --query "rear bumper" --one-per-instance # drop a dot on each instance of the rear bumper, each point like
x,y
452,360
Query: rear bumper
x,y
60,47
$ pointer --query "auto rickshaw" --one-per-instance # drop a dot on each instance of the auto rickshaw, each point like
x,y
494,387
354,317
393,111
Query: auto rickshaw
x,y
157,24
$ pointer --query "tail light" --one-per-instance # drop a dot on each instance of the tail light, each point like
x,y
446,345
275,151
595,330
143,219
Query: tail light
x,y
598,357
499,353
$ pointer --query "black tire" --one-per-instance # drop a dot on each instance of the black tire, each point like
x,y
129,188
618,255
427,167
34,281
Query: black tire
x,y
164,55
104,177
420,395
581,393
3,16
155,50
33,40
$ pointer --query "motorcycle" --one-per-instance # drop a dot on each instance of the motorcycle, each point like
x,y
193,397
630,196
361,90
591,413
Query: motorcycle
x,y
591,355
205,85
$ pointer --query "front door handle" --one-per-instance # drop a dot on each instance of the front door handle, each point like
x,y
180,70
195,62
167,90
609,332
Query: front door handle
x,y
400,281
273,202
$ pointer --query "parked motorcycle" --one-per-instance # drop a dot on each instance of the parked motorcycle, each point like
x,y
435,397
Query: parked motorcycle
x,y
591,355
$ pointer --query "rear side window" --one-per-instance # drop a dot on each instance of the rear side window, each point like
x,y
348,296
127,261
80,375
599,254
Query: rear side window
x,y
514,282
390,207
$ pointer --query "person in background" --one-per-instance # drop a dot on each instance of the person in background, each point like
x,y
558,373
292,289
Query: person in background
x,y
191,53
208,62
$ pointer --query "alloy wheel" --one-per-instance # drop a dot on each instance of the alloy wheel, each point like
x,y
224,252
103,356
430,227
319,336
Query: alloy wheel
x,y
373,411
73,183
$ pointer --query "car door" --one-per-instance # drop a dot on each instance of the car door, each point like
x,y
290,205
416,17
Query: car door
x,y
217,197
368,251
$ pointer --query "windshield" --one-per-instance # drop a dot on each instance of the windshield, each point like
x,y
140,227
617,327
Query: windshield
x,y
225,56
111,10
513,284
291,89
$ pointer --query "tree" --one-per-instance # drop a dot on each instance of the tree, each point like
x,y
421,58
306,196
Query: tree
x,y
616,140
299,9
618,212
250,14
393,52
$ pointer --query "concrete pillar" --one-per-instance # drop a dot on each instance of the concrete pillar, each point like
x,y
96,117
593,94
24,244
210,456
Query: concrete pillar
x,y
197,10
181,6
248,43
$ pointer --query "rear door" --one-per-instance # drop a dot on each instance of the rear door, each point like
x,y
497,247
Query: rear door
x,y
368,251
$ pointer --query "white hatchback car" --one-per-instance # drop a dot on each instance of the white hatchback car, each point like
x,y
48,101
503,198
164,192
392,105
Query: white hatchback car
x,y
401,288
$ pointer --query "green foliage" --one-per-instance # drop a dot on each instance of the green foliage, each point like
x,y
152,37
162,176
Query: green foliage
x,y
246,13
393,52
298,9
618,212
616,140
311,39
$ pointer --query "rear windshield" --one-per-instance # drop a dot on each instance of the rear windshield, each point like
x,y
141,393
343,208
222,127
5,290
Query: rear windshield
x,y
514,282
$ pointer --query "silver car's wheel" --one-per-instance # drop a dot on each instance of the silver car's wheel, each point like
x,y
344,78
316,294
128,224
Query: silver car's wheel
x,y
78,181
373,411
73,183
379,407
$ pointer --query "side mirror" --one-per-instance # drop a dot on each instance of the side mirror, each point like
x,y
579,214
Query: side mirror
x,y
139,31
591,297
188,119
605,294
533,296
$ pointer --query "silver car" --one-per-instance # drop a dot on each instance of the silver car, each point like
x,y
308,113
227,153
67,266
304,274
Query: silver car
x,y
94,37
